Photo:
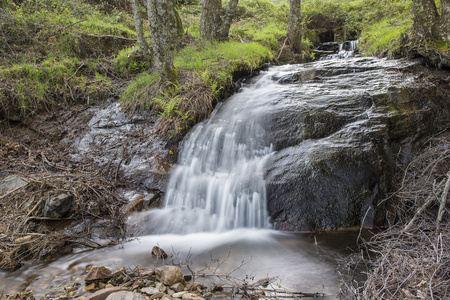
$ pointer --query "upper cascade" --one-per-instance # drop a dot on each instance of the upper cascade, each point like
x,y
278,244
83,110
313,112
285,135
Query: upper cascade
x,y
335,50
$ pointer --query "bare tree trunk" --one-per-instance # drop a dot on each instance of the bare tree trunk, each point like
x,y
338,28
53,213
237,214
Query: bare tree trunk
x,y
210,21
160,14
294,32
215,21
425,19
227,18
139,28
444,30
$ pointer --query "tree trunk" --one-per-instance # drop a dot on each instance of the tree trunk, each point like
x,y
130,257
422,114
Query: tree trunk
x,y
160,14
227,18
425,19
294,32
444,28
215,21
139,28
210,21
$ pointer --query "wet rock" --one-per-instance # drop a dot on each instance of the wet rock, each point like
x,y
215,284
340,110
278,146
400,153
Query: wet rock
x,y
126,296
119,272
104,293
143,202
159,253
169,275
90,287
58,207
138,284
191,296
11,183
98,274
331,46
179,294
161,287
177,287
157,295
114,137
337,143
150,290
104,229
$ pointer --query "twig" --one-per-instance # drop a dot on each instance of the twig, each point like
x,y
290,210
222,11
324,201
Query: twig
x,y
75,23
362,224
48,219
118,168
110,36
290,293
281,50
427,203
443,202
67,80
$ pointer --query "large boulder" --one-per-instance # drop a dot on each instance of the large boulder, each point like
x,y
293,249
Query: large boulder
x,y
339,131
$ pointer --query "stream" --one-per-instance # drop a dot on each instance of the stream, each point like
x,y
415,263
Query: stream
x,y
215,213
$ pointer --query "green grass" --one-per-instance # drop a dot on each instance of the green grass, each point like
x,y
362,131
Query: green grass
x,y
382,37
131,61
215,56
56,52
213,63
216,62
33,87
139,93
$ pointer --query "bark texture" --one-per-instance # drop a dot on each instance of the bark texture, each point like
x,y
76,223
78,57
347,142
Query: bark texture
x,y
425,19
215,21
428,23
139,27
294,32
162,27
445,21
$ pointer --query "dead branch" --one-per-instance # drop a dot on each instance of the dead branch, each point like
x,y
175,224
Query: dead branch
x,y
443,202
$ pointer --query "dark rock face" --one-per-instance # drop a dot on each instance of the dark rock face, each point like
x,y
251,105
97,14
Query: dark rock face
x,y
330,46
339,131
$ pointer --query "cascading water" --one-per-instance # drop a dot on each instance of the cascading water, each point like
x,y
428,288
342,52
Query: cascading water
x,y
344,50
316,115
219,184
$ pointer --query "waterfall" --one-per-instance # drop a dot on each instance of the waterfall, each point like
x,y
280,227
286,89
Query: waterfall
x,y
344,50
219,183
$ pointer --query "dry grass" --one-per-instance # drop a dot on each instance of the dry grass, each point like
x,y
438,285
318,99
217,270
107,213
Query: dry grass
x,y
196,104
411,259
